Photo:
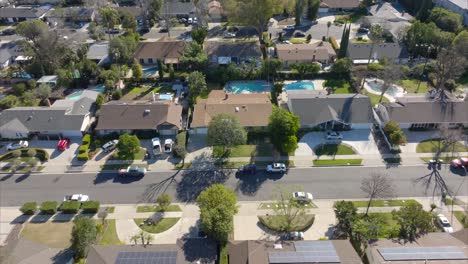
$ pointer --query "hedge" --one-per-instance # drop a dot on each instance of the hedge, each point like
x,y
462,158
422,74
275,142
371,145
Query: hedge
x,y
332,41
86,139
83,150
70,207
90,207
41,154
181,138
49,207
29,208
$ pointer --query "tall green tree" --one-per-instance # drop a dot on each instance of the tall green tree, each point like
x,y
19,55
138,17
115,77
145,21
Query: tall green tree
x,y
122,48
128,144
460,43
271,67
344,41
217,209
225,130
413,220
312,9
194,58
199,35
449,65
109,18
425,10
298,11
32,30
346,214
128,21
197,85
83,234
422,36
161,69
137,71
342,66
154,9
304,68
283,127
446,19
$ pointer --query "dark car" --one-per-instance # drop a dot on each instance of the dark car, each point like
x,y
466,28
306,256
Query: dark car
x,y
299,34
363,30
249,168
144,30
8,31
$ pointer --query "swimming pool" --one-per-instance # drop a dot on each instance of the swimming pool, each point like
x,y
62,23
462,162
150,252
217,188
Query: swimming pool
x,y
75,95
240,87
376,86
300,85
98,88
167,97
149,72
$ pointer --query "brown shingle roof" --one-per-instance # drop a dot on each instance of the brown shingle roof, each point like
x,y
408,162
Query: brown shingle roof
x,y
297,52
339,3
233,49
161,49
118,115
253,110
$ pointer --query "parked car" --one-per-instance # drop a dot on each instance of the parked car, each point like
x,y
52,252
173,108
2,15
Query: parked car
x,y
295,235
287,42
299,34
18,145
76,197
63,144
133,171
229,34
190,21
248,168
156,146
111,145
276,167
363,30
304,197
444,223
8,32
334,135
290,27
459,163
168,145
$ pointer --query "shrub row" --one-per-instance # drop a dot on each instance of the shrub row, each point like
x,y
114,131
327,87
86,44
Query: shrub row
x,y
180,146
29,208
83,150
41,154
67,207
49,207
332,41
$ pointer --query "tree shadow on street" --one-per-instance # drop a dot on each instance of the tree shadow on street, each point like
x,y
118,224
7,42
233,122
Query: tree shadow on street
x,y
249,184
153,190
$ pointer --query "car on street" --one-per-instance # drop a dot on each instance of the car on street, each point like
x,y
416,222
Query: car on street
x,y
299,34
110,145
248,168
18,145
133,171
156,146
287,42
63,144
459,163
290,27
303,197
168,145
76,197
334,135
190,21
294,235
444,223
8,32
276,167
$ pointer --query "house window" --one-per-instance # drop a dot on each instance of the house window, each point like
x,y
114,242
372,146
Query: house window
x,y
142,61
150,60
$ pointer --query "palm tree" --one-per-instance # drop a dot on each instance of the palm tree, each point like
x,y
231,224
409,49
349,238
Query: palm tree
x,y
376,32
134,238
329,23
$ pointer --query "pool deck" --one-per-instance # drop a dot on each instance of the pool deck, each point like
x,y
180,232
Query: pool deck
x,y
391,98
318,83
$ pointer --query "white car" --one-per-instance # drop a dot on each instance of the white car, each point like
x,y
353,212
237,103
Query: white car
x,y
276,167
229,34
21,144
190,20
290,27
76,197
334,135
168,145
444,223
303,197
156,146
111,145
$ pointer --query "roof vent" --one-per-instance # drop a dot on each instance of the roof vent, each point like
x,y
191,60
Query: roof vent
x,y
237,109
244,106
147,111
278,246
30,117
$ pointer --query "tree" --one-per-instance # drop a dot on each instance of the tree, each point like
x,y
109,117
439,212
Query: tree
x,y
137,71
413,220
134,239
271,67
32,30
460,43
391,127
164,200
397,138
389,75
100,100
8,101
288,209
342,66
283,127
83,235
346,214
171,72
446,19
122,48
304,68
288,6
194,58
364,230
344,41
424,10
128,21
312,9
298,11
197,85
421,36
199,35
109,18
329,23
217,208
161,69
377,186
153,7
43,92
128,144
225,130
448,66
255,13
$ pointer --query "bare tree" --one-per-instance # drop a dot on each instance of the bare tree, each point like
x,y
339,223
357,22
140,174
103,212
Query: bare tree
x,y
390,75
448,66
288,209
449,137
378,185
376,33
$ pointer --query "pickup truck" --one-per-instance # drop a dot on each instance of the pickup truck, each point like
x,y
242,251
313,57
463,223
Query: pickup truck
x,y
168,145
133,171
76,197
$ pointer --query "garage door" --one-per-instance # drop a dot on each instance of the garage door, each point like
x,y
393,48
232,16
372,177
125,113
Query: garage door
x,y
44,136
168,132
72,134
201,130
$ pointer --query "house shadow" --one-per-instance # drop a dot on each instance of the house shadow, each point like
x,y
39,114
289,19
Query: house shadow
x,y
200,250
55,154
63,256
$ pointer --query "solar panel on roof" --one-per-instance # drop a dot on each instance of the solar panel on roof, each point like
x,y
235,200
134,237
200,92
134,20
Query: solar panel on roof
x,y
307,252
422,253
161,257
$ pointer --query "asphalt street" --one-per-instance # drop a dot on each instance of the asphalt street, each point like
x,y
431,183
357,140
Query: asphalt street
x,y
184,186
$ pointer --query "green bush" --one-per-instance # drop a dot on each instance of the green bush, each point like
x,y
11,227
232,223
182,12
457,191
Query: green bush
x,y
181,139
332,41
16,153
82,156
83,149
42,155
86,139
90,207
29,208
70,207
376,67
31,152
48,207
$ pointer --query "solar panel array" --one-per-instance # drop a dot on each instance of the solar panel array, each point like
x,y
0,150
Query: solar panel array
x,y
422,253
162,257
306,252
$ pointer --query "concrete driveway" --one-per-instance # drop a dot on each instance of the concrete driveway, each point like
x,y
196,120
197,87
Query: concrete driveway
x,y
415,137
56,156
361,140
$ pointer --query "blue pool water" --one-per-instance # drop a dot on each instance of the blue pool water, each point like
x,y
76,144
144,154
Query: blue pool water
x,y
98,88
22,75
74,96
149,72
239,87
300,85
165,97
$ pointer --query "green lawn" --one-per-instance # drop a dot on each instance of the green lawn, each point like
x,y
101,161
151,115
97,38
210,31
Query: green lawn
x,y
432,146
120,166
337,162
162,225
338,86
157,208
411,86
266,206
52,234
383,203
109,236
260,164
389,225
444,159
374,98
333,149
140,93
297,40
110,209
261,150
275,222
462,218
137,156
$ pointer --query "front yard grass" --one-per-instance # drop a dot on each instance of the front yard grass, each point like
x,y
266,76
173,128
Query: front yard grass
x,y
260,164
109,236
337,162
52,234
160,226
157,208
260,150
444,159
434,145
298,40
390,227
338,86
384,203
462,218
125,156
266,206
333,149
411,86
276,223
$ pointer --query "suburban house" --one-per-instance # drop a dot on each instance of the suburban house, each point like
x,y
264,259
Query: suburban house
x,y
440,247
65,118
266,252
99,53
121,117
386,15
8,53
330,111
222,53
338,5
458,6
177,8
22,13
215,11
252,110
50,80
71,14
167,50
359,52
138,12
298,53
420,111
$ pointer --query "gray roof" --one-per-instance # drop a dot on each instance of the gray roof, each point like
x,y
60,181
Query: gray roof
x,y
23,12
387,11
98,51
176,7
73,12
316,107
7,51
388,50
461,3
233,49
